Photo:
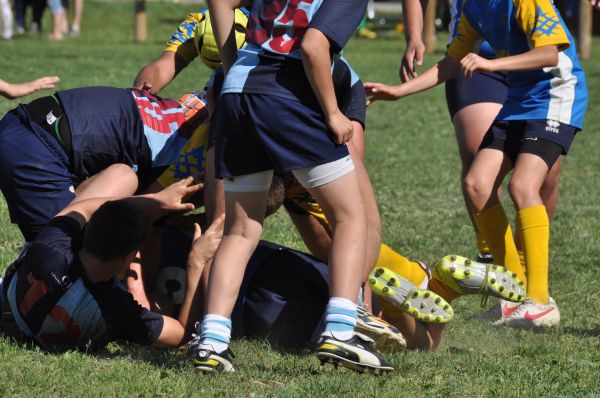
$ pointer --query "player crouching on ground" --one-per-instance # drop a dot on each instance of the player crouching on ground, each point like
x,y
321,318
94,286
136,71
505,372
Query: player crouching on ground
x,y
62,291
547,99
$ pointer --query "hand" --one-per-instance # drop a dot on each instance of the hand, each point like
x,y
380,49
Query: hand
x,y
23,89
595,4
172,197
381,92
205,245
474,63
413,55
340,126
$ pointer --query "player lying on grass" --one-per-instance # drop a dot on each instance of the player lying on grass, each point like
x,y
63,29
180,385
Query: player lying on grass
x,y
18,90
50,147
547,99
62,292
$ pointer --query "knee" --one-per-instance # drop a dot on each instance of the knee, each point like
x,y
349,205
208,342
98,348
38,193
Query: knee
x,y
124,173
520,191
477,187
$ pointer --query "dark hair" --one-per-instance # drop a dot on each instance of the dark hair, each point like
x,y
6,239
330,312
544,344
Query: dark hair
x,y
275,196
116,229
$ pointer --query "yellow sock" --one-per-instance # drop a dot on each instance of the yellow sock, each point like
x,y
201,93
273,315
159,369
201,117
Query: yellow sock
x,y
404,267
482,245
493,226
440,288
535,230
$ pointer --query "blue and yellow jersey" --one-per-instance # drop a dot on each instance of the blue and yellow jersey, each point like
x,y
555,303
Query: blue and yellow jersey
x,y
514,27
191,160
485,50
182,40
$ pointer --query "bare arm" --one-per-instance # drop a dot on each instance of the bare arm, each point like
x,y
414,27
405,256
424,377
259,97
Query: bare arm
x,y
18,90
222,20
444,70
158,74
537,58
415,48
316,58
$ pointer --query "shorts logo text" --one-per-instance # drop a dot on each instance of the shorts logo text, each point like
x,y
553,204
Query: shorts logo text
x,y
552,126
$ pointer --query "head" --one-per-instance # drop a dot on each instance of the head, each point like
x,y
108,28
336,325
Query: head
x,y
275,196
113,236
206,43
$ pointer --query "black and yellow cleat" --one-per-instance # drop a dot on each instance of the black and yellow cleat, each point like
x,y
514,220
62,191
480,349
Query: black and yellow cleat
x,y
465,276
356,353
207,361
387,338
422,304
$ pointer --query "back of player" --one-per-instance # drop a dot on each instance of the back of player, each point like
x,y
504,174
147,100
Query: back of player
x,y
269,119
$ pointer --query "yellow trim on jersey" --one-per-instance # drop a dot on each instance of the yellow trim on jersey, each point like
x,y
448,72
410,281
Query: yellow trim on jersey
x,y
182,40
301,198
191,160
541,24
465,41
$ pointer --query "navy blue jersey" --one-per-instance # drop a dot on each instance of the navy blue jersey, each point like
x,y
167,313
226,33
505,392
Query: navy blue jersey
x,y
113,125
348,88
271,62
106,128
60,307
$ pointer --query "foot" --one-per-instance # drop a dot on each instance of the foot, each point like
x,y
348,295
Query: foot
x,y
356,353
465,276
485,258
422,304
497,314
205,359
75,31
56,37
34,29
531,314
386,337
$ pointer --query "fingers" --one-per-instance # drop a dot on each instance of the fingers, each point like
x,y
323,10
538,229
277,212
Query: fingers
x,y
217,224
197,231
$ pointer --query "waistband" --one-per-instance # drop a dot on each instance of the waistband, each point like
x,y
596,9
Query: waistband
x,y
50,116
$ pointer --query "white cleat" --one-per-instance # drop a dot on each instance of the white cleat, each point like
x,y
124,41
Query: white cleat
x,y
531,314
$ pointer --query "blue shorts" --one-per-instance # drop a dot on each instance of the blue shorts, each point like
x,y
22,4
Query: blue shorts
x,y
35,175
260,132
547,139
481,87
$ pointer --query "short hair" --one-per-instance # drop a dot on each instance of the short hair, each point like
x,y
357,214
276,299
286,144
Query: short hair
x,y
275,196
116,229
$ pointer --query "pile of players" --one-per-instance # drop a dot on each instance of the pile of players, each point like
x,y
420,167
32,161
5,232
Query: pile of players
x,y
87,172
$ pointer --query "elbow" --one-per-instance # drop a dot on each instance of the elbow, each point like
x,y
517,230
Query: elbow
x,y
314,44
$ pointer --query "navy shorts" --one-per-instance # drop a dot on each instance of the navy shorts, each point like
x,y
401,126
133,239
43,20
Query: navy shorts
x,y
34,173
481,87
546,138
263,132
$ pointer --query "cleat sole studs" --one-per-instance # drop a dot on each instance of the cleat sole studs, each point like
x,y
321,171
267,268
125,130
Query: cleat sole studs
x,y
453,258
438,300
467,272
379,272
468,262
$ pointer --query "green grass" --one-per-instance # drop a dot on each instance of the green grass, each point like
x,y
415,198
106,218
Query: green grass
x,y
414,165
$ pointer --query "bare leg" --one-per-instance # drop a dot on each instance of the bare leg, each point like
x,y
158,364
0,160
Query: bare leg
x,y
117,180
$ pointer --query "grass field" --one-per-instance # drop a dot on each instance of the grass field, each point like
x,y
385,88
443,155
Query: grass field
x,y
414,165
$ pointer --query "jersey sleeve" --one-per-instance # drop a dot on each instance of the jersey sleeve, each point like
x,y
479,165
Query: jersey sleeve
x,y
125,318
541,23
338,19
466,40
191,159
182,40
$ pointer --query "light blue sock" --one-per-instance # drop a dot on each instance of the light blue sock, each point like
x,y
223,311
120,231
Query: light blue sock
x,y
340,318
215,332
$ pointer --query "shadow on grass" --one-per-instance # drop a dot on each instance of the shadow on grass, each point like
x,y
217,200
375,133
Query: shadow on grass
x,y
580,332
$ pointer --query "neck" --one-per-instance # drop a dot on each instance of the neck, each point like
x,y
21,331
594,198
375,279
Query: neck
x,y
94,268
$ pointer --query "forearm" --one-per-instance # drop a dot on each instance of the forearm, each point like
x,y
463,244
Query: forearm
x,y
157,75
537,58
222,18
413,20
191,308
5,89
444,70
317,66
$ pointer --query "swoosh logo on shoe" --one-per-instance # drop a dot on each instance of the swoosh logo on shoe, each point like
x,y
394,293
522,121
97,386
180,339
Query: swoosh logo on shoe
x,y
507,310
531,317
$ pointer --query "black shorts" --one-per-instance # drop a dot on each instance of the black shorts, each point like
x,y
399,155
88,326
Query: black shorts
x,y
481,87
547,139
